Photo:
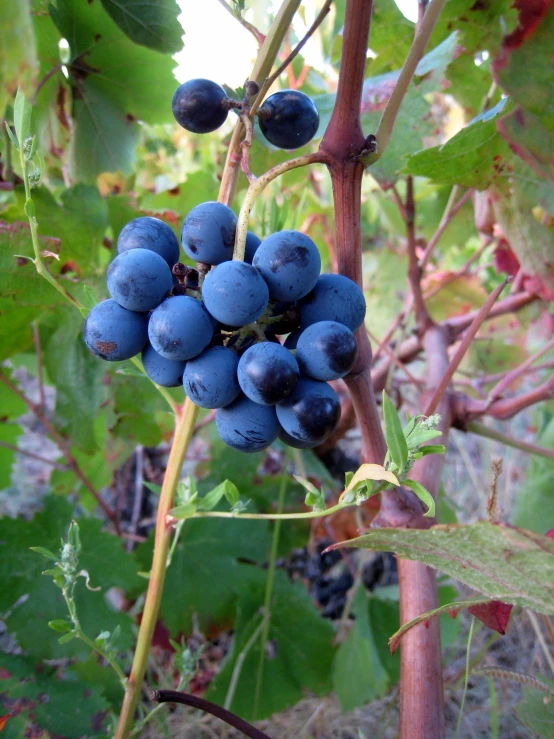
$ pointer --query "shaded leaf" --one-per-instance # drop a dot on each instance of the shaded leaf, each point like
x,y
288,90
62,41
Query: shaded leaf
x,y
536,711
152,23
423,494
18,57
493,614
500,561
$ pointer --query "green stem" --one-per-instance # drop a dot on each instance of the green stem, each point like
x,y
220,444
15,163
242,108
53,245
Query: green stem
x,y
386,124
468,655
482,430
255,190
39,264
269,585
162,390
183,434
273,516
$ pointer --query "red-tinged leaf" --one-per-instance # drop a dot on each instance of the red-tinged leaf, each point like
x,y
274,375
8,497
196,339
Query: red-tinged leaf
x,y
3,719
504,258
493,614
531,13
550,534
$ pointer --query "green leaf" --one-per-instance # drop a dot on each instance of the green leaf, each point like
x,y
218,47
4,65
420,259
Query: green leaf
x,y
181,512
536,494
432,449
300,650
358,674
536,710
474,157
45,553
500,561
22,110
394,435
61,625
18,57
152,23
423,494
225,489
420,436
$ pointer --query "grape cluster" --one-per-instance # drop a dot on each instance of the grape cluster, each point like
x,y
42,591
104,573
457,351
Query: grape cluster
x,y
258,340
288,119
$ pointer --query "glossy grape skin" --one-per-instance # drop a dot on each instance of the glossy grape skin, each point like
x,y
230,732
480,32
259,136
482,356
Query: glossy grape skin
x,y
198,106
210,380
162,371
326,350
114,333
247,426
251,246
208,233
293,119
150,233
289,262
267,373
235,293
334,298
180,328
139,279
296,443
311,412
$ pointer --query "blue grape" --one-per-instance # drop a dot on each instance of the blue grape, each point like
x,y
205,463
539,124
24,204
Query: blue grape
x,y
150,233
247,426
267,373
139,279
165,372
326,350
334,298
289,262
288,119
115,333
311,411
208,233
180,328
235,293
210,380
296,443
250,247
198,106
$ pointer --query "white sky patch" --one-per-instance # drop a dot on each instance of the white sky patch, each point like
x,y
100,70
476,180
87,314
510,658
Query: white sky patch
x,y
218,48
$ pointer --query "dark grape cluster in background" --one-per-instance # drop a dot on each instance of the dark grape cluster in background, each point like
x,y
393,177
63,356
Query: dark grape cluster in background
x,y
258,339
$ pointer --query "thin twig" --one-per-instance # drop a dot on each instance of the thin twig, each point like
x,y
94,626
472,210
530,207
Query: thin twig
x,y
464,346
246,145
386,124
540,638
414,270
258,35
32,455
504,409
453,276
139,487
240,661
62,444
173,696
506,381
44,80
418,383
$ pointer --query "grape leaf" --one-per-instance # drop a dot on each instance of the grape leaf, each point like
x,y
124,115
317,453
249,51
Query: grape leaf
x,y
474,157
500,561
300,650
152,23
18,57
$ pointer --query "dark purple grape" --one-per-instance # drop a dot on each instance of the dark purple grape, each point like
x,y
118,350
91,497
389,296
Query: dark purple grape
x,y
289,262
247,426
292,340
198,105
149,233
139,279
334,298
311,412
235,293
296,443
115,333
165,372
210,380
180,328
326,350
267,373
288,119
250,247
208,233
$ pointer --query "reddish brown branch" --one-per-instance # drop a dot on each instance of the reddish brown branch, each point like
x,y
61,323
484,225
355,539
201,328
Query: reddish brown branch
x,y
464,346
62,444
498,390
469,408
423,320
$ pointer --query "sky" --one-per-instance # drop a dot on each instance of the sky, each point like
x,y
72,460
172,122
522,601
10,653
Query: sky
x,y
219,49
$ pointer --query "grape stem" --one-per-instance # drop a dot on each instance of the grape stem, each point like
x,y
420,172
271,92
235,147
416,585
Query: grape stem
x,y
258,186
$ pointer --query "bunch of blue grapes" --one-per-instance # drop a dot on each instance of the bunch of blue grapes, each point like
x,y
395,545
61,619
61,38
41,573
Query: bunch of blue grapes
x,y
259,340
